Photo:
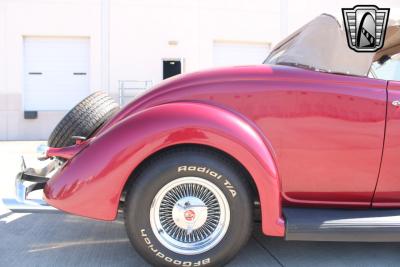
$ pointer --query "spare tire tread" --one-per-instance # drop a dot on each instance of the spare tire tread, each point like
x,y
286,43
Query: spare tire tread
x,y
86,114
87,121
84,119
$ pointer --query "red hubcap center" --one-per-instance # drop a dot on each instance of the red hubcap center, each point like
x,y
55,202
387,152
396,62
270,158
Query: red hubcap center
x,y
189,215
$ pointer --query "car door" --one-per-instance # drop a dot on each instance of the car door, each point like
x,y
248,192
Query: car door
x,y
387,192
327,131
388,188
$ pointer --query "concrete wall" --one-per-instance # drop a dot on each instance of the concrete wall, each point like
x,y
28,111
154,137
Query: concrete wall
x,y
128,38
39,18
141,31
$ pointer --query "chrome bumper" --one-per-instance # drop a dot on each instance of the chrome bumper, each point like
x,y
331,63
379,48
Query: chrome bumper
x,y
29,180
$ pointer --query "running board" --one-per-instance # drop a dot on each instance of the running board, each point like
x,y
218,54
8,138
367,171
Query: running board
x,y
369,225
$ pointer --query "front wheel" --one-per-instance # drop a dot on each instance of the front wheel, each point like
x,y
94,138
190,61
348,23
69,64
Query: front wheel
x,y
189,207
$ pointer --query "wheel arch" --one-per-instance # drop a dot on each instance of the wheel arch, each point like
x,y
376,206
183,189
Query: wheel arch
x,y
128,143
248,178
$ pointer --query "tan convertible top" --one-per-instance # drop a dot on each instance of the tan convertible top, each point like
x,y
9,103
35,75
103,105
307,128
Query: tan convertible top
x,y
321,44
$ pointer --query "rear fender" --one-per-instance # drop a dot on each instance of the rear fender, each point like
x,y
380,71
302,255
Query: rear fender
x,y
91,183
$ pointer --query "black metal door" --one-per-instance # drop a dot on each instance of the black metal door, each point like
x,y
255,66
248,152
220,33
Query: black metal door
x,y
171,68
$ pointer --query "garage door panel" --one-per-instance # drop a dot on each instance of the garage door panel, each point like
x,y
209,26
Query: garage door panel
x,y
50,64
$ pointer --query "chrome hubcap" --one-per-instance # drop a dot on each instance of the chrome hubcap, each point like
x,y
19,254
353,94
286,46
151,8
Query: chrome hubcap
x,y
190,215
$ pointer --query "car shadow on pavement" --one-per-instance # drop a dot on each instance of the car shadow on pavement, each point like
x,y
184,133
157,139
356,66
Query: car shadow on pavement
x,y
66,240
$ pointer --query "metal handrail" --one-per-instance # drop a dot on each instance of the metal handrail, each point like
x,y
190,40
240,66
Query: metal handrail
x,y
129,89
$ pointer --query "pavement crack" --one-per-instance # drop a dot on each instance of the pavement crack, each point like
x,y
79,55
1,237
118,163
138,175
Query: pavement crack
x,y
268,251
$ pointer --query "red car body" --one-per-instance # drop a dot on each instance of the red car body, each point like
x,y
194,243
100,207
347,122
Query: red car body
x,y
307,138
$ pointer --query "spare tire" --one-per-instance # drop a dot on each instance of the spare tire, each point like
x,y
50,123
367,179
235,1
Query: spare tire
x,y
83,119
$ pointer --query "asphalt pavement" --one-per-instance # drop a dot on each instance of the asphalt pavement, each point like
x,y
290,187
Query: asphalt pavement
x,y
66,240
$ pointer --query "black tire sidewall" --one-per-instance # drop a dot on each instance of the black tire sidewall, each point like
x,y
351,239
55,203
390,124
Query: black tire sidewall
x,y
163,170
83,119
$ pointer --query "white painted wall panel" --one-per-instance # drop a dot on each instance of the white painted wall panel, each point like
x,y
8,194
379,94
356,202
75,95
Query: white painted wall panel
x,y
235,54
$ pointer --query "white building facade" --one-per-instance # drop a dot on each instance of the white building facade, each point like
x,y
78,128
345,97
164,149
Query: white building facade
x,y
55,52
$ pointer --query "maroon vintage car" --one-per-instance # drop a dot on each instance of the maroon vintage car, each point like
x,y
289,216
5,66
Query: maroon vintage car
x,y
308,143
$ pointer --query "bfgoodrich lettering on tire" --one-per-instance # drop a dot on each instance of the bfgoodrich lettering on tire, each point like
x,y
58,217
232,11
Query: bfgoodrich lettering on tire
x,y
189,206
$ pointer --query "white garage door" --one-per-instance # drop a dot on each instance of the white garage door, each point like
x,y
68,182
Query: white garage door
x,y
234,54
56,72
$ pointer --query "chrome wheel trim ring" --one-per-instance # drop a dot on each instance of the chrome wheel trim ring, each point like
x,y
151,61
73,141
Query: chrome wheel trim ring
x,y
163,224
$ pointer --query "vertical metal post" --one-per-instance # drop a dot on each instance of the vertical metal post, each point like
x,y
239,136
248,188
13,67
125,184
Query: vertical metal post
x,y
105,45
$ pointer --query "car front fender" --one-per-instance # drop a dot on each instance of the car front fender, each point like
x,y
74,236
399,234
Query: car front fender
x,y
91,183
